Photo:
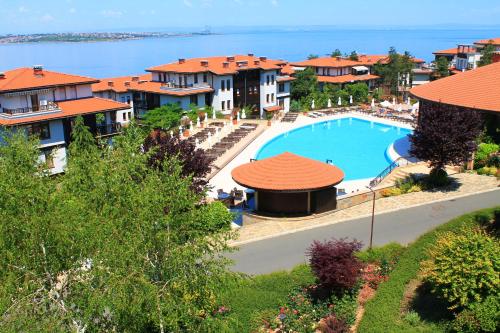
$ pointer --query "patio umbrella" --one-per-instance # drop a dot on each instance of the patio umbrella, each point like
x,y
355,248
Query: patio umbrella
x,y
237,116
171,133
190,124
243,114
394,101
386,104
329,103
312,105
340,101
198,124
400,108
213,114
373,102
350,99
408,101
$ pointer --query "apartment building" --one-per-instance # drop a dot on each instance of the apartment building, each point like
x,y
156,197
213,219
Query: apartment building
x,y
226,83
46,103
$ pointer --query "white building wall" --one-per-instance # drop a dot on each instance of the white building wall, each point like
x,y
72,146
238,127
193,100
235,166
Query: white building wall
x,y
84,90
267,90
220,95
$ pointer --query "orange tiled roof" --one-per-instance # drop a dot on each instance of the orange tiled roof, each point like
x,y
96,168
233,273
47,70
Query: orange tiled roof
x,y
287,172
218,65
337,62
493,41
476,89
69,108
347,78
284,78
287,70
451,51
26,78
118,83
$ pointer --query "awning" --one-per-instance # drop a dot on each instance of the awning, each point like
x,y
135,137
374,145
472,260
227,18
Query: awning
x,y
273,108
361,68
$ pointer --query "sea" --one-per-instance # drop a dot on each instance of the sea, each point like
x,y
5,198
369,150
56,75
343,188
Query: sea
x,y
130,57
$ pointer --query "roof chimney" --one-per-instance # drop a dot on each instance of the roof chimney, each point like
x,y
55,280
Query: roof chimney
x,y
182,60
38,69
111,83
262,58
204,63
135,78
230,58
2,75
250,54
225,64
242,63
256,62
338,58
127,83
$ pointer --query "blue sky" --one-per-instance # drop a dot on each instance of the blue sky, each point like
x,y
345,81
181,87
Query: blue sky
x,y
29,16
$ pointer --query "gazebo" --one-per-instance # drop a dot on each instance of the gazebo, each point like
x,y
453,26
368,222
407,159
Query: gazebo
x,y
288,184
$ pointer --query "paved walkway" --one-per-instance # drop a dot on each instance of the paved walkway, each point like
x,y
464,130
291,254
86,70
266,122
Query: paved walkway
x,y
402,226
466,184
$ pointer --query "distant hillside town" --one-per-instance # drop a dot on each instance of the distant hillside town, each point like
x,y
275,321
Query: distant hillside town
x,y
92,36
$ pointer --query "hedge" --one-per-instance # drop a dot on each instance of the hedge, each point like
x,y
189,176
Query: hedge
x,y
382,313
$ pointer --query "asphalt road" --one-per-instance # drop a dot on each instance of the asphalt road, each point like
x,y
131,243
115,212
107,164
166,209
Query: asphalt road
x,y
404,226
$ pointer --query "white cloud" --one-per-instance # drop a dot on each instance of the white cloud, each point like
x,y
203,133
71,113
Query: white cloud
x,y
22,9
111,13
47,18
187,3
72,10
274,3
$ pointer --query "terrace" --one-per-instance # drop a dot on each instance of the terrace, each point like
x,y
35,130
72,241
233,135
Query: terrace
x,y
50,106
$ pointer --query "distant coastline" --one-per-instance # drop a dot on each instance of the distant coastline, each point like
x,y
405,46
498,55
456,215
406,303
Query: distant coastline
x,y
71,37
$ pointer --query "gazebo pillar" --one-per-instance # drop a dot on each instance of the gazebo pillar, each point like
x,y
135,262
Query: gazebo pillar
x,y
308,202
256,200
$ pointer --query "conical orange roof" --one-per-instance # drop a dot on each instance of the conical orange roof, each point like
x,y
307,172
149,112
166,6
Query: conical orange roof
x,y
287,172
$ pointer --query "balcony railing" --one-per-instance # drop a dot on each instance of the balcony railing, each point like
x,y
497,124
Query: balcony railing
x,y
191,86
108,129
51,106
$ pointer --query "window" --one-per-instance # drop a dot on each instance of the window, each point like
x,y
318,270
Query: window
x,y
272,97
128,99
193,99
49,157
223,105
180,80
229,104
42,130
130,115
281,87
237,92
272,79
205,79
195,78
267,98
122,99
223,85
267,79
228,84
124,116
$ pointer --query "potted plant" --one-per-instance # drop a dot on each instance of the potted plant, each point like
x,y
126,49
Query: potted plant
x,y
185,122
269,117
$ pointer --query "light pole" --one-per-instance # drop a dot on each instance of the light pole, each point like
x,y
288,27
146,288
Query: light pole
x,y
373,217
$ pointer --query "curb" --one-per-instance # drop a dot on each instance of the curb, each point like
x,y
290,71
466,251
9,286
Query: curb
x,y
235,244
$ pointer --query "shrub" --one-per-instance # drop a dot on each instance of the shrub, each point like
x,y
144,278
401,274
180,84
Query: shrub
x,y
487,314
390,192
377,254
412,318
484,150
332,324
438,178
464,267
494,161
465,322
345,307
295,106
334,263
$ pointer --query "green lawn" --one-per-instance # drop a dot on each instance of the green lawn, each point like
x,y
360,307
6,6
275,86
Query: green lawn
x,y
263,293
383,311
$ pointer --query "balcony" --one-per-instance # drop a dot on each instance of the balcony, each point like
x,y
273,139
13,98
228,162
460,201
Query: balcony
x,y
50,106
170,86
108,129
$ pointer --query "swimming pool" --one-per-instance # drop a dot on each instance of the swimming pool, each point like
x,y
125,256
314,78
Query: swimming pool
x,y
357,146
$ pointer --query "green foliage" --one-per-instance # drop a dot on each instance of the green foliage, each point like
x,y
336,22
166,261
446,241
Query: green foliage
x,y
487,55
488,171
353,56
304,84
165,117
295,106
382,313
378,254
443,67
412,318
312,56
484,150
464,267
391,72
377,94
336,53
111,245
438,178
487,313
359,92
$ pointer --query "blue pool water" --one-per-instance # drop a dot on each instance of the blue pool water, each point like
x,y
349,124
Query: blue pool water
x,y
357,146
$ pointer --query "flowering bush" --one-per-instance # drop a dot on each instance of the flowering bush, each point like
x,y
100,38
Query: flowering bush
x,y
335,265
373,275
332,324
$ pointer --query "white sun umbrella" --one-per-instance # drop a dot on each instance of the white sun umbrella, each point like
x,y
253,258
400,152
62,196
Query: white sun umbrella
x,y
243,114
198,123
312,105
340,101
373,102
350,99
386,104
408,101
237,116
171,133
213,115
180,131
393,101
400,108
209,137
190,124
329,103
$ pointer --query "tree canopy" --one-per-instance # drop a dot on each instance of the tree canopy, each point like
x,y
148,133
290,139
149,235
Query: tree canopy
x,y
336,53
445,135
304,84
397,66
112,245
165,117
486,55
443,67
